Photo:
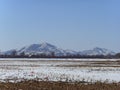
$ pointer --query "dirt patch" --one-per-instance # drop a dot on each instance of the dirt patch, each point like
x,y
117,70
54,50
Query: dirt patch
x,y
46,85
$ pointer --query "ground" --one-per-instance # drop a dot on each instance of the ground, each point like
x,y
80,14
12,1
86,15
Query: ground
x,y
59,73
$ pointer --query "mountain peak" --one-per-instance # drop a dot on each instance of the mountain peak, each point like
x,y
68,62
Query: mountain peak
x,y
98,51
46,48
42,48
97,48
45,44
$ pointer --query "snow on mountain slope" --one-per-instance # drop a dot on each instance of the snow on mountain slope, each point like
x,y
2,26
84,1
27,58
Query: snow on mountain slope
x,y
44,48
48,49
97,51
71,52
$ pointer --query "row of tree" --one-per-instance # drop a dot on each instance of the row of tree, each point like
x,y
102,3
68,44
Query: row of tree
x,y
52,55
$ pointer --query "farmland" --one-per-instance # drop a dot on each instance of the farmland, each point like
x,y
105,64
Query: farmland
x,y
60,71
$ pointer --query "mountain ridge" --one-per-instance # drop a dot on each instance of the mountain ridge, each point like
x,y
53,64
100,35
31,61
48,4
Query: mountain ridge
x,y
48,49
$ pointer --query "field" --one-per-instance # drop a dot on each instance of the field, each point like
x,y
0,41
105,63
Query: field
x,y
57,73
47,85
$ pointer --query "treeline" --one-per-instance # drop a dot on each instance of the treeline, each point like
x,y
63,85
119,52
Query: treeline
x,y
23,55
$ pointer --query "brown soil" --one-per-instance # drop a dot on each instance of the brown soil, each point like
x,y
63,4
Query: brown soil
x,y
46,85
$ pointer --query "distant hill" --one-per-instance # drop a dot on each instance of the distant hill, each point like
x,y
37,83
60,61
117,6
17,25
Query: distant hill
x,y
48,49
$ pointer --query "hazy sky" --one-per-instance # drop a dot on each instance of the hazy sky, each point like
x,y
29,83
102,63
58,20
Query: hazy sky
x,y
68,24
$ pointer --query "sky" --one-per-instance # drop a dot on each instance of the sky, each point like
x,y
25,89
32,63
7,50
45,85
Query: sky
x,y
68,24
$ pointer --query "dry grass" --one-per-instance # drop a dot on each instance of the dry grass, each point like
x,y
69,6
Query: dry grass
x,y
93,64
87,66
46,85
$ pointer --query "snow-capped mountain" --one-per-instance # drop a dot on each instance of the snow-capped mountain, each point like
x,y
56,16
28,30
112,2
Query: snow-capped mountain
x,y
97,51
71,52
49,49
43,48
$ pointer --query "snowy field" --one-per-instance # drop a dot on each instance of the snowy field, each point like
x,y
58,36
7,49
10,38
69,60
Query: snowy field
x,y
71,70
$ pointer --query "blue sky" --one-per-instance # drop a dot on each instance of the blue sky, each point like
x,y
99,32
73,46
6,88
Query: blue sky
x,y
68,24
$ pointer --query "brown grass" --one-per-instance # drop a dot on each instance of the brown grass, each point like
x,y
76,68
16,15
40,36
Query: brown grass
x,y
46,85
93,64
